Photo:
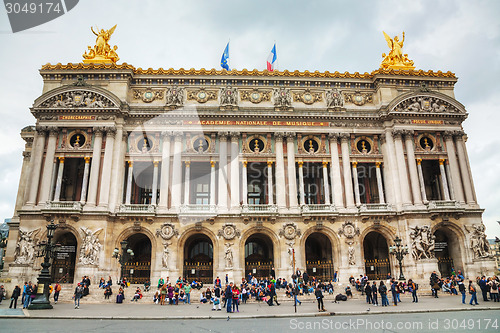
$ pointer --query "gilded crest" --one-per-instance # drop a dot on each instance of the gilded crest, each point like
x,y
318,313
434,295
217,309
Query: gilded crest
x,y
255,96
289,231
202,95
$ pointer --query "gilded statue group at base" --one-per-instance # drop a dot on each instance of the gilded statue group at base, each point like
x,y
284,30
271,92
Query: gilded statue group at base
x,y
102,51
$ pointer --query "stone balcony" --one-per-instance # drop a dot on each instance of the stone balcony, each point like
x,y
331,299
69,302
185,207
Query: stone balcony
x,y
317,208
74,207
259,209
137,209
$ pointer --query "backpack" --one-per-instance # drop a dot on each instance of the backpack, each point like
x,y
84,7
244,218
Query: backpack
x,y
416,286
341,297
494,286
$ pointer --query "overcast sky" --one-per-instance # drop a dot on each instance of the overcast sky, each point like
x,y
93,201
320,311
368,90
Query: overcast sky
x,y
460,36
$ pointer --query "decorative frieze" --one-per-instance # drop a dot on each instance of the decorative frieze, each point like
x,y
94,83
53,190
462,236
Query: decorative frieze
x,y
255,96
307,97
148,95
202,95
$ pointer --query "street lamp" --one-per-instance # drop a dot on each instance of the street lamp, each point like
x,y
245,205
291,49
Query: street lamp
x,y
399,251
47,250
125,256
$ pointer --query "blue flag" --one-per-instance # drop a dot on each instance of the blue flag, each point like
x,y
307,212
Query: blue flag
x,y
225,57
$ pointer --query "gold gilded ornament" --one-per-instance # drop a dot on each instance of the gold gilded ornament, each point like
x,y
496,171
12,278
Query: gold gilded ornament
x,y
396,59
101,52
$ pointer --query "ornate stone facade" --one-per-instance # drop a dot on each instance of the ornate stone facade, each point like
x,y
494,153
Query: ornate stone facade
x,y
205,173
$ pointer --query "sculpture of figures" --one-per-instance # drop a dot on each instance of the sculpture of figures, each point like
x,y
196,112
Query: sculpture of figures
x,y
396,59
290,252
352,256
334,99
228,255
102,51
175,96
166,252
422,242
228,96
282,98
478,242
89,252
25,248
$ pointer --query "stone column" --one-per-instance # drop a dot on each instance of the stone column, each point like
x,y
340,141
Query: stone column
x,y
235,171
212,184
85,181
222,202
410,153
470,179
346,164
464,168
403,175
187,182
421,180
154,187
177,172
356,183
338,199
379,183
443,179
326,186
117,169
455,172
391,169
280,172
245,183
448,179
292,174
48,166
54,179
270,199
130,174
36,165
165,171
57,194
94,168
301,183
22,189
106,167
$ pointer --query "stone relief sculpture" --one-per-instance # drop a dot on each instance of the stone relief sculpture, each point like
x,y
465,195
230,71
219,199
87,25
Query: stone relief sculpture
x,y
478,242
422,242
25,248
349,230
166,252
91,247
282,98
167,231
175,96
289,231
334,98
290,252
78,99
228,96
228,255
352,255
426,104
229,231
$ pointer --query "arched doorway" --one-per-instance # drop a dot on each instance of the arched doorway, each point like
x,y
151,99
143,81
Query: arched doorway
x,y
63,266
199,258
447,251
376,252
258,255
138,269
319,261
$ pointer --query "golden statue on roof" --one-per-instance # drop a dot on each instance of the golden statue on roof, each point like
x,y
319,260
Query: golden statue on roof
x,y
396,59
102,51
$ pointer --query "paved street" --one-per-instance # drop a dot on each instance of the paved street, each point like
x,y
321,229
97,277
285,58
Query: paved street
x,y
473,321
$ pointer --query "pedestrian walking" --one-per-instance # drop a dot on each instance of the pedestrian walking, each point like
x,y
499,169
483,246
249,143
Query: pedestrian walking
x,y
382,289
57,290
473,294
228,296
461,288
77,295
319,296
368,292
394,292
296,293
13,298
413,287
374,293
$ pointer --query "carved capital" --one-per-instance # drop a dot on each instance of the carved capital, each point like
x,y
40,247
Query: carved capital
x,y
383,138
53,131
235,136
223,136
397,133
354,164
448,135
459,135
408,134
333,137
279,136
300,163
178,136
110,131
290,136
378,164
98,130
419,161
344,137
269,164
166,135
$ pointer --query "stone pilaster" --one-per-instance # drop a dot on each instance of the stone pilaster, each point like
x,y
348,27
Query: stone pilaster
x,y
292,174
338,198
235,171
223,179
346,163
165,171
401,163
57,194
107,167
456,182
280,172
177,172
48,166
94,168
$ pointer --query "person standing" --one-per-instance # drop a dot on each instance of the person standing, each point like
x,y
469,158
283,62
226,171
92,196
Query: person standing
x,y
319,297
78,294
461,288
374,293
25,287
57,290
382,289
433,281
27,297
483,284
413,289
473,293
494,289
217,297
368,291
15,295
228,296
296,292
187,290
394,291
335,276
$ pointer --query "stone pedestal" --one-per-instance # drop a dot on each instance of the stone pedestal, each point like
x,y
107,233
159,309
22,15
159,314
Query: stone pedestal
x,y
424,269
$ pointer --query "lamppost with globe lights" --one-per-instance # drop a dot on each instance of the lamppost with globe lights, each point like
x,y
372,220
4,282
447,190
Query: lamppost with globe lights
x,y
399,251
47,250
125,256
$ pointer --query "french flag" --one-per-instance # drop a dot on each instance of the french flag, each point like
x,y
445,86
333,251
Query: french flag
x,y
271,59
